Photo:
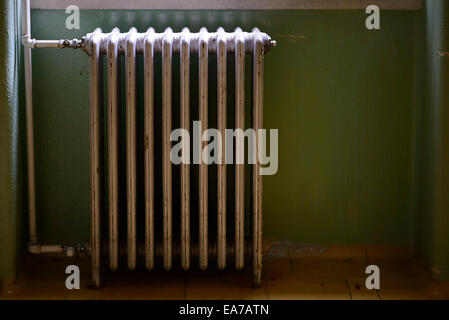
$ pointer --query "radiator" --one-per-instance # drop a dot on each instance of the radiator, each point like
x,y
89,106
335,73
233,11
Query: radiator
x,y
184,46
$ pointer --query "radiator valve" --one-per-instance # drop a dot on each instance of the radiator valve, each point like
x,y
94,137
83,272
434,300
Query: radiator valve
x,y
74,43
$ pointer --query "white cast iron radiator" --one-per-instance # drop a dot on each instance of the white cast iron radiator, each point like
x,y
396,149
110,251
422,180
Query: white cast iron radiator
x,y
106,193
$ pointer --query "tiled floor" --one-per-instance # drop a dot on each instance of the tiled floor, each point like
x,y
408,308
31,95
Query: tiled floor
x,y
301,273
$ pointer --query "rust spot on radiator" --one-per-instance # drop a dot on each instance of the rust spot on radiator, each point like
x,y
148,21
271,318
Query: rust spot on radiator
x,y
147,142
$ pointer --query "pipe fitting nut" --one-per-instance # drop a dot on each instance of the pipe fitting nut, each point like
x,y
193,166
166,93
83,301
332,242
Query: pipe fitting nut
x,y
70,251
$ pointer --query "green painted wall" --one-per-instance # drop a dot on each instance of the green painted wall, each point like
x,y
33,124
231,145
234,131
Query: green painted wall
x,y
342,97
433,157
10,148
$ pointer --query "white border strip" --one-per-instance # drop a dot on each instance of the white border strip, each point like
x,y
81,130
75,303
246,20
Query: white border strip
x,y
229,4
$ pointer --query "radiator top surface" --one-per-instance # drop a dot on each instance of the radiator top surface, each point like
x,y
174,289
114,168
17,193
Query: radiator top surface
x,y
176,39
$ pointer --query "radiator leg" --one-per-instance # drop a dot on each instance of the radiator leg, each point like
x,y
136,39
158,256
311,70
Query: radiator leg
x,y
95,133
221,170
166,144
131,105
203,167
113,90
258,52
149,147
185,167
240,152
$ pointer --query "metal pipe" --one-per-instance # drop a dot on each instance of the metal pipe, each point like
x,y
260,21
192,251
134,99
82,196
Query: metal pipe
x,y
30,146
85,248
166,144
239,147
29,43
131,106
38,248
149,147
25,18
221,167
258,55
203,167
33,43
95,133
185,167
69,250
29,123
113,89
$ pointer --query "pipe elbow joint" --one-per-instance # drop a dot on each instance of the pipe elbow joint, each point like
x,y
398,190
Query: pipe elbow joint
x,y
34,249
27,41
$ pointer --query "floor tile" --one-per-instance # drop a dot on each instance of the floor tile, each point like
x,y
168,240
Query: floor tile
x,y
398,268
40,270
438,289
223,285
401,288
359,291
84,293
277,268
308,288
326,267
142,285
16,291
410,288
